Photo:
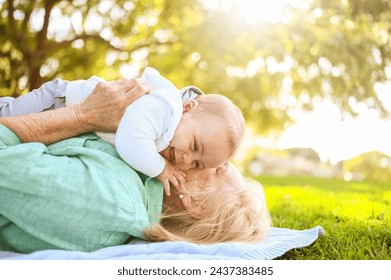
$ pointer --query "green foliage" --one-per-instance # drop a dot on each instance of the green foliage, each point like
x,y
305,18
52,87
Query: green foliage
x,y
330,49
374,166
354,215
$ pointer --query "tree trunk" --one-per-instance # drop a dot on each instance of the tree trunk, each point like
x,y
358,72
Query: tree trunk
x,y
38,58
35,79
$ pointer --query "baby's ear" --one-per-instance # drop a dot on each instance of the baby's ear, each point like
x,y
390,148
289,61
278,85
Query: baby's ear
x,y
190,105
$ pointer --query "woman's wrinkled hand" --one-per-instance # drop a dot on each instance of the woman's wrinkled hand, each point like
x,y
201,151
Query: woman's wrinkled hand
x,y
104,108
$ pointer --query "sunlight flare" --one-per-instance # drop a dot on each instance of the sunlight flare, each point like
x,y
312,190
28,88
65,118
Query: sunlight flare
x,y
254,11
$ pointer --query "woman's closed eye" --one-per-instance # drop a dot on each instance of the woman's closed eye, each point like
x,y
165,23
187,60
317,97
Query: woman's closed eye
x,y
197,164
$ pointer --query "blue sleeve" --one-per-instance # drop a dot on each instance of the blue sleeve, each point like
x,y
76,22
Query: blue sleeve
x,y
49,96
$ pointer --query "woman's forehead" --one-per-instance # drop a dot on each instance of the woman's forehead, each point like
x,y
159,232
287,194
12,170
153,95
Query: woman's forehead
x,y
227,169
197,174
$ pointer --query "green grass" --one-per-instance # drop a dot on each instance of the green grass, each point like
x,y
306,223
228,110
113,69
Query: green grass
x,y
356,216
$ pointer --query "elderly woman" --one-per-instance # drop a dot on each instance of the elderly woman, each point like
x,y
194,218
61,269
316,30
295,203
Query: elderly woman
x,y
62,189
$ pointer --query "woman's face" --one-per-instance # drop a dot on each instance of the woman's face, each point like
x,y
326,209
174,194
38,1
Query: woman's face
x,y
198,179
194,180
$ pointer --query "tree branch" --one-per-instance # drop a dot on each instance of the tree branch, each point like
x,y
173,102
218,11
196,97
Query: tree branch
x,y
11,10
26,20
49,4
58,45
63,44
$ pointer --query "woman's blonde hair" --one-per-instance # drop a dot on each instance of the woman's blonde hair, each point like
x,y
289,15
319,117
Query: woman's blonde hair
x,y
232,212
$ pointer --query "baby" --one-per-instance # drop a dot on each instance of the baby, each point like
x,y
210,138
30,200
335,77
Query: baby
x,y
168,131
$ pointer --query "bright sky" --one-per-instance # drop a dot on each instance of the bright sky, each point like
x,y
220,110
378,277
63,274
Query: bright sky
x,y
335,139
332,138
253,11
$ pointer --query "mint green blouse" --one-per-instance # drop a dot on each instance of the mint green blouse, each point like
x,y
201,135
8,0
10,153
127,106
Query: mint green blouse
x,y
76,194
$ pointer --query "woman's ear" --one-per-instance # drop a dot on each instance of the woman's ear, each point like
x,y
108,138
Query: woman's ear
x,y
190,105
197,211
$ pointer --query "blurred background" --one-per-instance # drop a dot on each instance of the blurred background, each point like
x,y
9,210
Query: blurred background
x,y
312,77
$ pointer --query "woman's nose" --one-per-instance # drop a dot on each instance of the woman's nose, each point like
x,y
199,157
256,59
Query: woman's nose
x,y
187,160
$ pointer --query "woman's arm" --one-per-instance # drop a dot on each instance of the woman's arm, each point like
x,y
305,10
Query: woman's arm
x,y
102,111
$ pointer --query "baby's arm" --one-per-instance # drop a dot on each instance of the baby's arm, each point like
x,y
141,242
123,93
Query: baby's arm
x,y
143,123
78,91
51,95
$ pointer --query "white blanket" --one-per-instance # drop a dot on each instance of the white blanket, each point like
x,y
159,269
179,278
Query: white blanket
x,y
279,242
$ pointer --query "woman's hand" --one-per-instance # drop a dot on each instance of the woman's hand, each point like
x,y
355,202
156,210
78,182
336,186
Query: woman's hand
x,y
103,109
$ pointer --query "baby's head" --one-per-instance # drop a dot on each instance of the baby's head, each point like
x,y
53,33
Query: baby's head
x,y
209,133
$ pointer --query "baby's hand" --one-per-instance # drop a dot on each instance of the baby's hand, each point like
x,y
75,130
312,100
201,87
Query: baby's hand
x,y
171,174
